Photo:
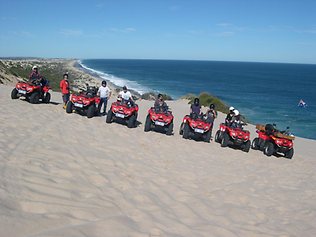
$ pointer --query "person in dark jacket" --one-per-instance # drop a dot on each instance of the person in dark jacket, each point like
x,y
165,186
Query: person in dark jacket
x,y
230,116
160,104
35,76
195,108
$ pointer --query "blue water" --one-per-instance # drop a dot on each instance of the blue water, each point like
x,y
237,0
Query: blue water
x,y
263,92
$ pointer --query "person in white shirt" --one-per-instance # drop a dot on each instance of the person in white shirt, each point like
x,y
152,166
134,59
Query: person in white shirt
x,y
105,93
126,96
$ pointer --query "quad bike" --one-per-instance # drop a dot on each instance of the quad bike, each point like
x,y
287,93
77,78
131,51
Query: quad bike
x,y
233,136
123,112
33,92
85,102
160,119
271,141
196,127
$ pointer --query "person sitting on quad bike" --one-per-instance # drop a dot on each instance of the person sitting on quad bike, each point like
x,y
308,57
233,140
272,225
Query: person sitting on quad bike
x,y
160,105
126,96
195,108
230,116
236,121
35,77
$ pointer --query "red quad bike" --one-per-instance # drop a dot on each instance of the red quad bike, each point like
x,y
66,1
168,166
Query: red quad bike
x,y
195,127
229,136
272,141
34,93
85,102
123,112
160,120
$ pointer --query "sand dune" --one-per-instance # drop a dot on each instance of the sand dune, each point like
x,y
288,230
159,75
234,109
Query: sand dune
x,y
66,175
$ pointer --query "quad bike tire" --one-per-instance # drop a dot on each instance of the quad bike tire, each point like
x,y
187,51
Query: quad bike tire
x,y
69,107
181,129
169,129
207,137
261,144
109,117
46,98
289,154
147,124
90,111
255,144
269,149
218,136
34,98
225,140
14,94
186,131
131,123
247,146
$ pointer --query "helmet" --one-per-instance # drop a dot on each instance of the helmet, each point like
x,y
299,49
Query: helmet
x,y
196,101
65,75
236,112
124,88
231,108
34,67
212,106
104,83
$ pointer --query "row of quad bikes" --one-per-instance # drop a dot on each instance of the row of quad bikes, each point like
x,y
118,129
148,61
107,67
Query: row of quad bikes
x,y
269,140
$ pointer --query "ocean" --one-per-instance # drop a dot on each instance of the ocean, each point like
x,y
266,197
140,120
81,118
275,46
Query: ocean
x,y
262,92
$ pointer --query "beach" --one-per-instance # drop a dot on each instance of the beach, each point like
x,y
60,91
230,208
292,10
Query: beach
x,y
66,175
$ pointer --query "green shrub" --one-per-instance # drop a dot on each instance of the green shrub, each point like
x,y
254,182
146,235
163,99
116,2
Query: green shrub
x,y
153,96
206,99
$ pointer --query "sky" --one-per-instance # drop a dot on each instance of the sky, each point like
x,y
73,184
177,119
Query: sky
x,y
222,30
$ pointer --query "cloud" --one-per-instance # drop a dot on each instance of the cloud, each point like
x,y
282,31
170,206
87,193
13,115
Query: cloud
x,y
71,32
307,31
124,30
22,33
227,29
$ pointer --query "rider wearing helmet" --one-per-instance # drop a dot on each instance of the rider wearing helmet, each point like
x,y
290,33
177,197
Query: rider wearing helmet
x,y
35,77
211,113
236,122
229,117
160,103
105,93
195,107
126,96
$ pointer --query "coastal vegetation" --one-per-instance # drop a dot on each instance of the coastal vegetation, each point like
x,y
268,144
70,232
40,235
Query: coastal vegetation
x,y
50,70
153,96
206,99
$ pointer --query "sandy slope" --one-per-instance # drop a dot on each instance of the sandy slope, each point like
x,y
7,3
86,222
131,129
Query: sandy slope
x,y
66,175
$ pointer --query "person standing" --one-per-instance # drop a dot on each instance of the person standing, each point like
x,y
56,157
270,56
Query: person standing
x,y
211,115
105,93
64,86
